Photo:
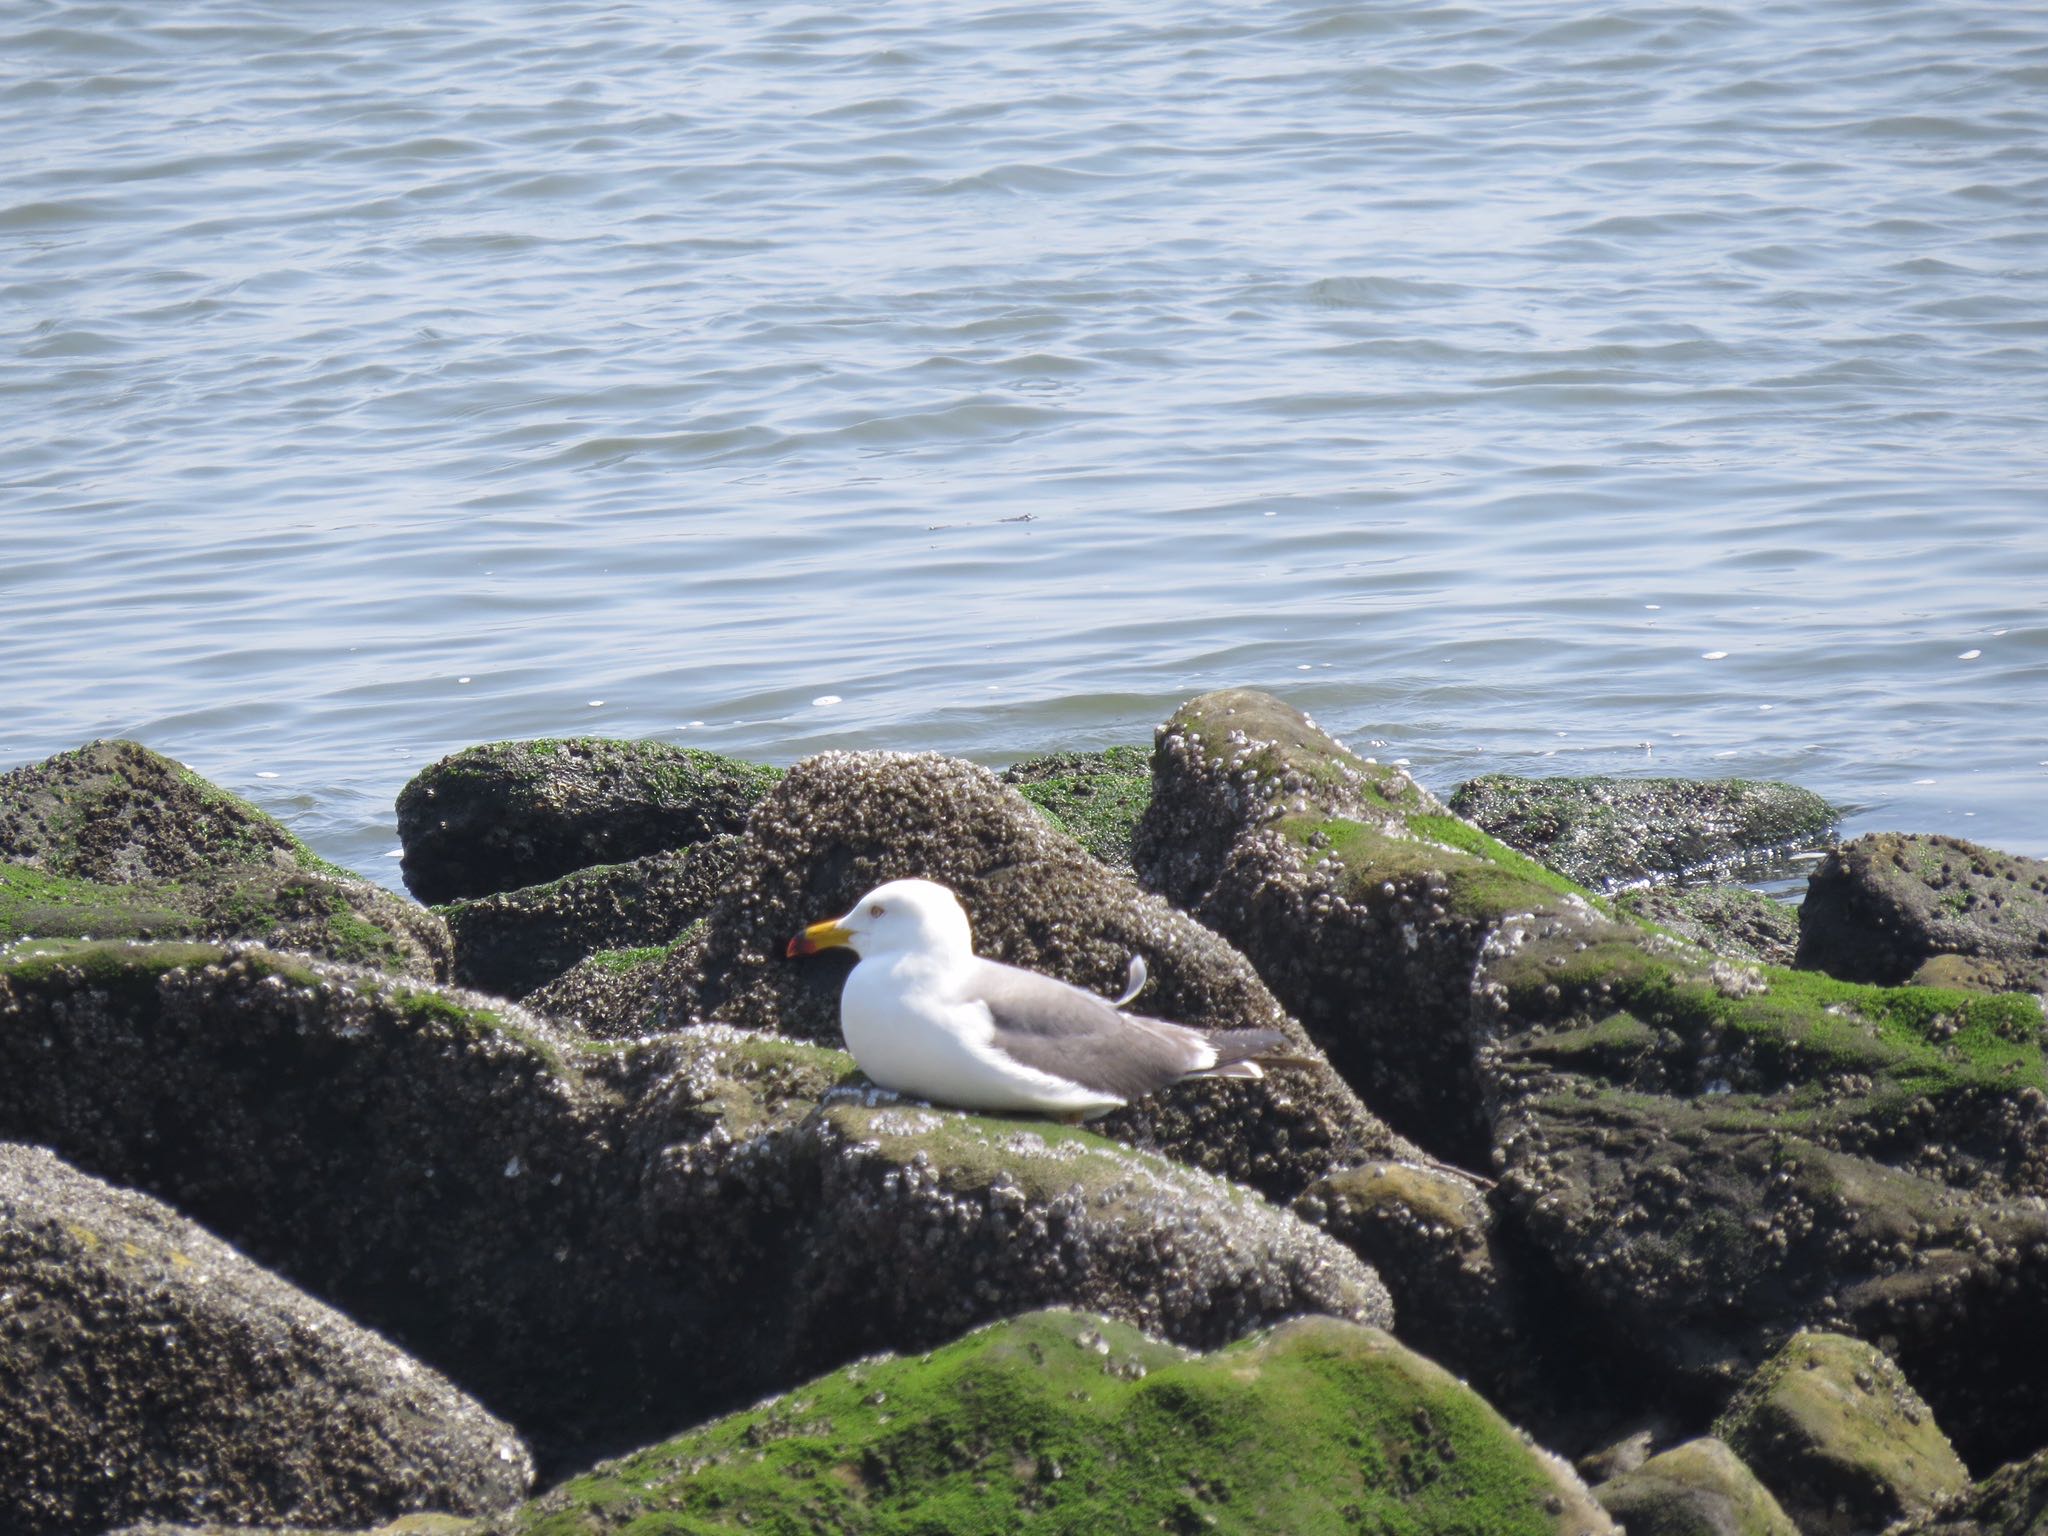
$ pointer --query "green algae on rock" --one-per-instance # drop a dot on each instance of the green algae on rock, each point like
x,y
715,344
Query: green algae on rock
x,y
841,823
520,813
514,942
148,1369
116,841
1097,798
1834,1429
1608,832
1061,1421
1700,1488
1882,908
2013,1501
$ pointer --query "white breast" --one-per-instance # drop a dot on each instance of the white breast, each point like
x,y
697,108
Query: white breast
x,y
911,1032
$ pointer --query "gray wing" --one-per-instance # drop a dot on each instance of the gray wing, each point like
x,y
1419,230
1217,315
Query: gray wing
x,y
1055,1028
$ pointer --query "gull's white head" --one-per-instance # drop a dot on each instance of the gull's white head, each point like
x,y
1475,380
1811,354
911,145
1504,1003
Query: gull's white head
x,y
902,917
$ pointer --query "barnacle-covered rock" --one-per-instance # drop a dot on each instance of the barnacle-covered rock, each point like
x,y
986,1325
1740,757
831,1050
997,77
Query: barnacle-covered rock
x,y
513,942
1884,907
1700,1488
1731,920
116,841
520,813
1715,1154
1838,1434
2013,1501
1607,832
1067,1421
604,1241
844,822
1361,901
148,1369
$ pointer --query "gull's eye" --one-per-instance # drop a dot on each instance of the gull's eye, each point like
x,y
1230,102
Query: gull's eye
x,y
875,910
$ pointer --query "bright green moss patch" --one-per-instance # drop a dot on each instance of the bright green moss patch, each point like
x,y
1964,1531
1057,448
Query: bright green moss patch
x,y
1096,798
1467,838
1475,888
37,904
107,966
1063,1422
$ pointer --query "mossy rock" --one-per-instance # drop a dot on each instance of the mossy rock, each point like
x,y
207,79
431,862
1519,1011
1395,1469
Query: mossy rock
x,y
604,1240
1834,1429
1888,905
1609,832
1700,1488
1730,920
116,841
2013,1501
147,1368
614,994
1062,1421
515,942
842,823
522,813
1097,798
1363,904
1712,1155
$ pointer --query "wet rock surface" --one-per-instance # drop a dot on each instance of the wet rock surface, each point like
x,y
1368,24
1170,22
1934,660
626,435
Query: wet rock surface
x,y
1611,832
842,823
599,1242
1834,1429
2013,1501
1700,1488
1881,908
520,813
149,1370
114,840
514,942
1731,920
1319,1425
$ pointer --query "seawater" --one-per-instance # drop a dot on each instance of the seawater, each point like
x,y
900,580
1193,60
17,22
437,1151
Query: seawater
x,y
1654,388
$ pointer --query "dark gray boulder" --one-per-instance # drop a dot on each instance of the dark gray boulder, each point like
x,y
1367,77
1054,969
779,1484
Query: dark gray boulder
x,y
148,1370
615,994
603,1242
520,813
1889,906
841,823
513,942
1610,832
114,840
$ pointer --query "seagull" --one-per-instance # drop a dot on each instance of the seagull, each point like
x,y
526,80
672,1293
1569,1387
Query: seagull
x,y
927,1017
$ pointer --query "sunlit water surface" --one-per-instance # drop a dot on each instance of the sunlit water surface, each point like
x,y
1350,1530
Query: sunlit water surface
x,y
1657,388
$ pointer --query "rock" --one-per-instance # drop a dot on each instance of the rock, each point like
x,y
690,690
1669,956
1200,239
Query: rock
x,y
114,841
149,1370
614,994
513,942
1833,1428
2010,1502
1362,903
1714,1155
1731,920
842,823
520,813
1882,907
1700,1488
1062,1420
1096,798
1610,832
1461,1296
602,1241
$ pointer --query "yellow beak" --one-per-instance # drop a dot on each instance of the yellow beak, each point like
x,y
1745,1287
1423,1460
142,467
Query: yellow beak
x,y
818,936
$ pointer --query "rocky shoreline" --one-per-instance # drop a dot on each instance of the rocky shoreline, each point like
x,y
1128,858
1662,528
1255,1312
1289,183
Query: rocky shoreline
x,y
1592,1203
